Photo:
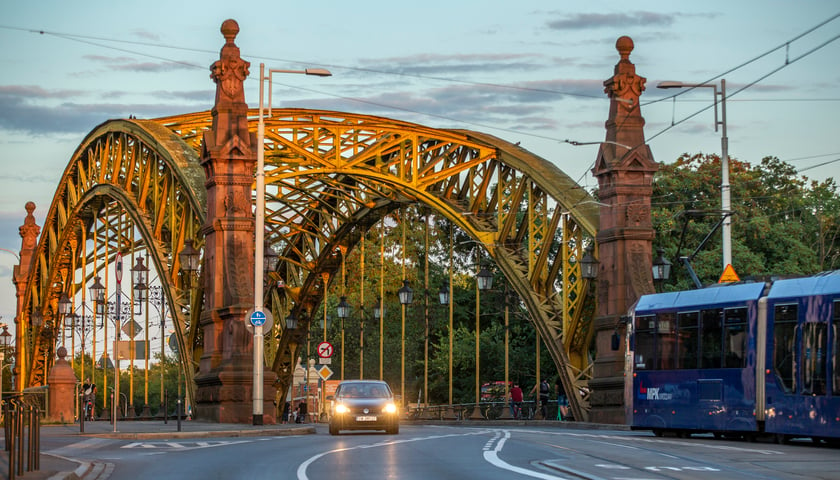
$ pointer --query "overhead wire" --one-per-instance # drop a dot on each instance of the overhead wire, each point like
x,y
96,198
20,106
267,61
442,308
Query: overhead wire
x,y
88,39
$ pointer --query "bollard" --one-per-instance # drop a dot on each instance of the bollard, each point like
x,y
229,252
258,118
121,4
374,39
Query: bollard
x,y
19,439
10,440
178,409
30,454
83,415
37,419
7,423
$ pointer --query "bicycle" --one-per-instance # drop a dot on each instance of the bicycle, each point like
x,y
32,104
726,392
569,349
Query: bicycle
x,y
88,410
517,410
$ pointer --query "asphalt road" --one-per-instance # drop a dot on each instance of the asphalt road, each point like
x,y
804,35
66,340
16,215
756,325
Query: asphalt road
x,y
449,452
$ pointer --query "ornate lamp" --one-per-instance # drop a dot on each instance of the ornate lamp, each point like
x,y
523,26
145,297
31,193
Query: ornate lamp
x,y
405,293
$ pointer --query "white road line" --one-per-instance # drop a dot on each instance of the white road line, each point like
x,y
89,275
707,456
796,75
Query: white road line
x,y
301,471
492,457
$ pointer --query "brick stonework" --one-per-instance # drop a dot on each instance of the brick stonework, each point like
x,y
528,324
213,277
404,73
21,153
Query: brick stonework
x,y
624,170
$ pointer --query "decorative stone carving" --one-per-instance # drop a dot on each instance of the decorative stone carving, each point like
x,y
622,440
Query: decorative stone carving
x,y
230,70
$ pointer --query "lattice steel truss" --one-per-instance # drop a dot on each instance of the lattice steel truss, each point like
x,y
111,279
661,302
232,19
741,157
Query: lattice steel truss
x,y
330,176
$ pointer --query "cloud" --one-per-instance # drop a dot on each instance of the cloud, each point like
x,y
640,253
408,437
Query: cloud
x,y
130,64
27,108
35,91
425,64
145,34
582,21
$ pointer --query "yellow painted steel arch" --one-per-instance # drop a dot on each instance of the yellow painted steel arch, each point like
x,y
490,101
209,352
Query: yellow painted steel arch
x,y
330,175
130,187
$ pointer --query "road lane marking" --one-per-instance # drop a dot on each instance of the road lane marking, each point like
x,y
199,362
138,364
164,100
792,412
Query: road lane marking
x,y
183,446
301,471
492,457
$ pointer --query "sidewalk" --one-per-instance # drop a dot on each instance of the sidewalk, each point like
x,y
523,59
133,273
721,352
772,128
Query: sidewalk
x,y
55,467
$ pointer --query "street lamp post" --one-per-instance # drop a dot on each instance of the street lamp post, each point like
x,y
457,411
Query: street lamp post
x,y
483,281
5,340
725,200
444,299
157,299
379,314
343,312
406,295
140,276
661,269
260,234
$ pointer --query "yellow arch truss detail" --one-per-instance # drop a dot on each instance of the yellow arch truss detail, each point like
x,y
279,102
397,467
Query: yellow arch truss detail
x,y
329,176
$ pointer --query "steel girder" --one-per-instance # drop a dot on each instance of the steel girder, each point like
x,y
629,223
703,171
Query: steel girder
x,y
131,187
330,176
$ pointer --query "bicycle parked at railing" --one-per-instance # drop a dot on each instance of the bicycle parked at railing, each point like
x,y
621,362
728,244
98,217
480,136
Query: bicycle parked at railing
x,y
523,410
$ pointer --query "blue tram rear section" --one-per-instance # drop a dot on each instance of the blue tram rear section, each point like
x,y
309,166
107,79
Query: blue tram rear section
x,y
802,374
694,362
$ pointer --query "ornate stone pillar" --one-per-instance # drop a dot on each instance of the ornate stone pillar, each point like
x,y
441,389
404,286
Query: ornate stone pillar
x,y
29,232
62,382
229,156
624,170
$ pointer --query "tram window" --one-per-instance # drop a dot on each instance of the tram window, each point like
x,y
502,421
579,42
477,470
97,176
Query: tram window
x,y
784,340
712,334
814,343
644,348
666,342
835,350
688,339
735,337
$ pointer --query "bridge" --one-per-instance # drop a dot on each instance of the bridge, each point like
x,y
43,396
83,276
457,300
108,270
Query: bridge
x,y
152,191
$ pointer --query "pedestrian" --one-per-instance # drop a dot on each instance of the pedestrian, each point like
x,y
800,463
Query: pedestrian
x,y
562,400
89,396
301,413
516,398
544,391
287,406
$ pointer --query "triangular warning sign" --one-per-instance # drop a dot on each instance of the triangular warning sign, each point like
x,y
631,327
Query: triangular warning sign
x,y
729,275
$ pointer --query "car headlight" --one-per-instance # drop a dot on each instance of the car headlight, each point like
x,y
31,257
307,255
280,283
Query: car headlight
x,y
390,408
341,408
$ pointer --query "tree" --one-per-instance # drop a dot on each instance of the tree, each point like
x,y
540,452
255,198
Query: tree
x,y
782,223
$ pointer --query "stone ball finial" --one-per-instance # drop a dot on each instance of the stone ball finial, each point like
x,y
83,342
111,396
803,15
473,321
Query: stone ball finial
x,y
30,207
230,29
624,45
62,352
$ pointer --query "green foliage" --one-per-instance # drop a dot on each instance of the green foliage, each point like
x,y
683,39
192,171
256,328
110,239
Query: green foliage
x,y
104,380
466,256
783,224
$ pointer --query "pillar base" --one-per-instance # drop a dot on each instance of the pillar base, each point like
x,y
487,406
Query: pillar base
x,y
476,413
506,413
225,396
607,401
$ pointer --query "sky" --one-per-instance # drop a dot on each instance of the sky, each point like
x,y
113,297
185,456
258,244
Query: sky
x,y
525,71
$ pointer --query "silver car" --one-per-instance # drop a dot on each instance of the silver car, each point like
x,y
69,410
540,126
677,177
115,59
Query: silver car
x,y
364,405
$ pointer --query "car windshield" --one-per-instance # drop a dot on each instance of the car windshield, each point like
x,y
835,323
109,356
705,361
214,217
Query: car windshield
x,y
363,390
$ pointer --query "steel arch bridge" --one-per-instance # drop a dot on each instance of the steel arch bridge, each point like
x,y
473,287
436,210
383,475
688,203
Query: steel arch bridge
x,y
137,186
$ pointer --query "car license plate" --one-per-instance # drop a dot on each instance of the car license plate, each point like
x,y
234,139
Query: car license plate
x,y
368,418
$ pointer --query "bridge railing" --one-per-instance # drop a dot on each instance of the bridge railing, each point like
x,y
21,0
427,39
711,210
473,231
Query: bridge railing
x,y
491,410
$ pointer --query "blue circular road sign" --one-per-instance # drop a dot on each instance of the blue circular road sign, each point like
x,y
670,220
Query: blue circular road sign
x,y
257,318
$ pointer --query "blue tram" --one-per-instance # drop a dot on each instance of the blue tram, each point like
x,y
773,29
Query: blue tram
x,y
738,359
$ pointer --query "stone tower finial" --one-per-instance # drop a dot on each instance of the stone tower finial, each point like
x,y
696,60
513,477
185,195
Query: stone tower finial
x,y
229,30
624,45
